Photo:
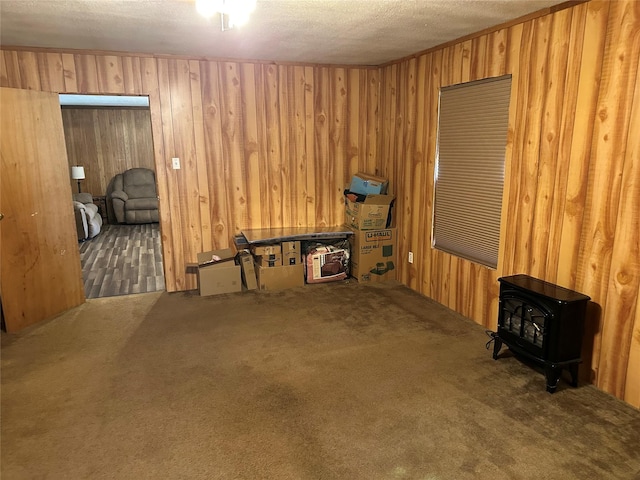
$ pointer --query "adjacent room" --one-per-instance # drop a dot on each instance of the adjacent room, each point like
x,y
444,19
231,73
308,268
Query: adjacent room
x,y
109,144
502,338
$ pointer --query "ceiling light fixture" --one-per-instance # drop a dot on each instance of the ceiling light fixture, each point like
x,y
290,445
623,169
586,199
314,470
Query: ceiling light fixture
x,y
232,12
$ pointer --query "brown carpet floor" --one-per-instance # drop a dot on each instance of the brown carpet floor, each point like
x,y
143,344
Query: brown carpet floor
x,y
337,381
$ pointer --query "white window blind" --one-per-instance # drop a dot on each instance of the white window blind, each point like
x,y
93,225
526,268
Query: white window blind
x,y
469,173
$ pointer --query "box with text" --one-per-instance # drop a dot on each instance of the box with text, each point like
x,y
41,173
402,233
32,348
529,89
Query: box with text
x,y
374,255
368,215
291,253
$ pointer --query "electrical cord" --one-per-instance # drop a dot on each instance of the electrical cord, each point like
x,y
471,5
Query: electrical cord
x,y
492,334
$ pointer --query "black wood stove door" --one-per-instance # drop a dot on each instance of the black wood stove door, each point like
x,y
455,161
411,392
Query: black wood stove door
x,y
525,323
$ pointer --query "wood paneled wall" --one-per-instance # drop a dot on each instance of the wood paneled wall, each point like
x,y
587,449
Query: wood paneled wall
x,y
260,144
571,202
107,141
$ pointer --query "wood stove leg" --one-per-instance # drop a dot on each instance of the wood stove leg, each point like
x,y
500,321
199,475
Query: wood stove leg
x,y
573,370
497,345
553,375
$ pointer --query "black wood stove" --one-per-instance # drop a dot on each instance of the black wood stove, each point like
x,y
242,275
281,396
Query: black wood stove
x,y
542,322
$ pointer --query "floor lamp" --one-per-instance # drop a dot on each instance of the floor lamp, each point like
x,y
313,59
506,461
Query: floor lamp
x,y
77,173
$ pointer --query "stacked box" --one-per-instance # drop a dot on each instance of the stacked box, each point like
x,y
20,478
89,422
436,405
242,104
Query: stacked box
x,y
365,184
371,214
273,260
291,253
374,255
273,266
260,250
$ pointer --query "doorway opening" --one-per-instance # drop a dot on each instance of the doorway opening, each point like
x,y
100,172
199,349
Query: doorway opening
x,y
110,151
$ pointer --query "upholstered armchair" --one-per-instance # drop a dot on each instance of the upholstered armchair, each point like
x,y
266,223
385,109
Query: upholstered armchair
x,y
134,196
88,220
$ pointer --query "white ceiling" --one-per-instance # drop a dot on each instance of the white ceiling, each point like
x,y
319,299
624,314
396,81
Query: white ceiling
x,y
358,32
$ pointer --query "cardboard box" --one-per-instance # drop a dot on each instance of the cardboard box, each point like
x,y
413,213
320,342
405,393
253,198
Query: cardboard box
x,y
366,184
273,260
218,276
374,255
259,250
368,215
291,253
278,278
326,264
248,271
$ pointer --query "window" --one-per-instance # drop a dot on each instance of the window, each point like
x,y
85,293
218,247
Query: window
x,y
469,173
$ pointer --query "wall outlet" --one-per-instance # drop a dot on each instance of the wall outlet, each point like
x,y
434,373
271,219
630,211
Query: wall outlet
x,y
410,257
175,162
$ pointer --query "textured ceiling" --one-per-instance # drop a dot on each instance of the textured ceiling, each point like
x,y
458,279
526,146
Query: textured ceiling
x,y
360,32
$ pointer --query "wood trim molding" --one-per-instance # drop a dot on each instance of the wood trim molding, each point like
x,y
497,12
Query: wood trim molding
x,y
166,56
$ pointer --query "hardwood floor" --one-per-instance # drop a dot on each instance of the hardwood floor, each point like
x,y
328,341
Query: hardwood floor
x,y
121,260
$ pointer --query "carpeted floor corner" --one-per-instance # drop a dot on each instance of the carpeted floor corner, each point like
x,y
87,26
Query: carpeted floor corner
x,y
336,381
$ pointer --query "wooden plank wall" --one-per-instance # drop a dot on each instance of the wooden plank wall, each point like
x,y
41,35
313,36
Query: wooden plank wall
x,y
106,141
260,144
571,204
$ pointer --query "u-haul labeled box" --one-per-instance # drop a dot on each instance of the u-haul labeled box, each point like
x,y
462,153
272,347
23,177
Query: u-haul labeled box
x,y
374,255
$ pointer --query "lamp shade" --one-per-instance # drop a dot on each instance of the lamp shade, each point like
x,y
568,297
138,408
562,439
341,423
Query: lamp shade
x,y
77,172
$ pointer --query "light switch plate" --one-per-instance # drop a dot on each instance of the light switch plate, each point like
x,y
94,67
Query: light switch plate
x,y
175,162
